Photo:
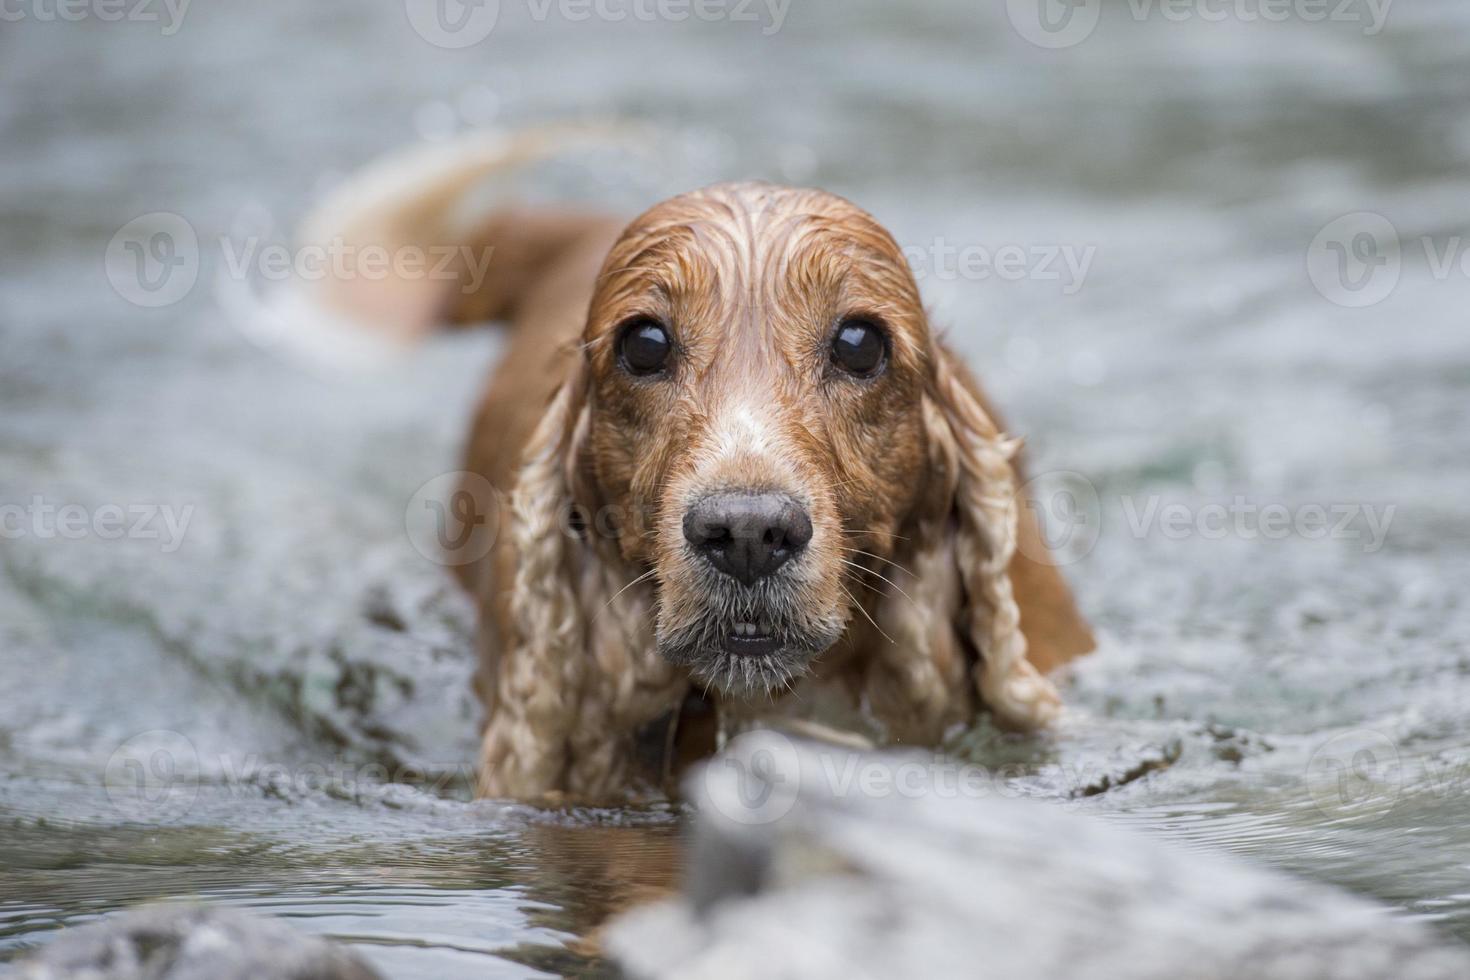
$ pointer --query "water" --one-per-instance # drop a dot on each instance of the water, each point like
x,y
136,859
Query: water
x,y
1295,700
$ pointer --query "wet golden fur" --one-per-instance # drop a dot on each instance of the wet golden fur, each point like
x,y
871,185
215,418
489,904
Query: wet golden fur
x,y
913,575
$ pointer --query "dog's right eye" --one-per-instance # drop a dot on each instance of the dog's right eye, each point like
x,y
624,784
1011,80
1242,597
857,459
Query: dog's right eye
x,y
859,348
644,347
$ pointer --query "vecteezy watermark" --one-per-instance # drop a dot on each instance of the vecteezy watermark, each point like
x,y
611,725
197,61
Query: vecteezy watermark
x,y
168,13
1069,514
110,522
1057,24
1363,772
941,259
1370,15
339,259
154,260
462,23
758,778
156,776
455,518
1357,260
1248,520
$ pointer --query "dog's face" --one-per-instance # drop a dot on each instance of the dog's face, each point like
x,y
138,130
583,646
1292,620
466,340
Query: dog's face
x,y
757,360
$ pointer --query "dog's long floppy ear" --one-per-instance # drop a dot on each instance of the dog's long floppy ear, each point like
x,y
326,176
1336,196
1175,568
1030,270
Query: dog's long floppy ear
x,y
542,667
977,487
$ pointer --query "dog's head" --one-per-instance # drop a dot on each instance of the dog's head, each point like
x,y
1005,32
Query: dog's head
x,y
761,412
757,360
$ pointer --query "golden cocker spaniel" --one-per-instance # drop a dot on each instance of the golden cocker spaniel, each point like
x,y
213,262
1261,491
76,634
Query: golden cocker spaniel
x,y
737,476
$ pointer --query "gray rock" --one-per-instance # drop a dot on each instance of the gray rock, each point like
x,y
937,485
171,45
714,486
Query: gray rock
x,y
811,861
191,942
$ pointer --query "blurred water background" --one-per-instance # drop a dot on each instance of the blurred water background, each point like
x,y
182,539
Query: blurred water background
x,y
1296,698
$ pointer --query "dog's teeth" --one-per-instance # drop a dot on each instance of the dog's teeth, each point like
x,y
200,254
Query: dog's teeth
x,y
745,629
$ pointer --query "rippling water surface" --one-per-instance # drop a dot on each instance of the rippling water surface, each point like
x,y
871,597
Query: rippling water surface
x,y
291,676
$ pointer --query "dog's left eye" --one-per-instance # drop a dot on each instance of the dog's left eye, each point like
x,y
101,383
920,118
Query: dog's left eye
x,y
859,348
644,347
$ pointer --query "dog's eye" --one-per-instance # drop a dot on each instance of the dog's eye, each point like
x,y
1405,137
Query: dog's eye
x,y
859,348
644,347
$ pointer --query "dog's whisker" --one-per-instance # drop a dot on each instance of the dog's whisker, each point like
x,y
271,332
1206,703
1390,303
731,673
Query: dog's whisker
x,y
889,561
885,578
642,578
869,617
859,532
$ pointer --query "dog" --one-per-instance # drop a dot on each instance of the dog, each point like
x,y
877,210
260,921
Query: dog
x,y
737,475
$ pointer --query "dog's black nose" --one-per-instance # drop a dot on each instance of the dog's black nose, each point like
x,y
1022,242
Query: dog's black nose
x,y
747,535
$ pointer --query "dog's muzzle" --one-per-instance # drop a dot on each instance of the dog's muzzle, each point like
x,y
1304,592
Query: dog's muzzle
x,y
748,537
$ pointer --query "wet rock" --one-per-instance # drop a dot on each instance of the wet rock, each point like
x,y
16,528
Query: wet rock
x,y
818,862
191,942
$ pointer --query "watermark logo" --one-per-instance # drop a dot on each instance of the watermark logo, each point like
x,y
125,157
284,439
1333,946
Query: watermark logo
x,y
1355,260
755,780
1068,514
453,23
454,518
1353,771
153,776
153,260
1054,24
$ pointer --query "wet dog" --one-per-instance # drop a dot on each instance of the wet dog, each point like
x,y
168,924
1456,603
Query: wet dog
x,y
731,461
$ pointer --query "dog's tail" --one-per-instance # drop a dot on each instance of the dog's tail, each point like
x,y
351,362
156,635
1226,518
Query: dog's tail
x,y
422,239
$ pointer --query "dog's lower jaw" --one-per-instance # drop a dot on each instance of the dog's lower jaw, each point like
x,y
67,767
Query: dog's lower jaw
x,y
713,664
749,675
